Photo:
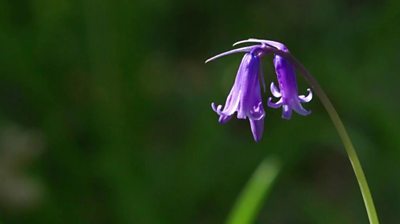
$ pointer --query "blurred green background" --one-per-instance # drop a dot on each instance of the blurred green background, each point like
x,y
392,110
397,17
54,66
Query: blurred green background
x,y
105,111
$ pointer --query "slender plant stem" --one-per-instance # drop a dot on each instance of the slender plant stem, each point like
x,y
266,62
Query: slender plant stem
x,y
351,152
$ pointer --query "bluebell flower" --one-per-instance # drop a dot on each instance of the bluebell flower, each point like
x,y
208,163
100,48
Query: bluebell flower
x,y
245,96
287,92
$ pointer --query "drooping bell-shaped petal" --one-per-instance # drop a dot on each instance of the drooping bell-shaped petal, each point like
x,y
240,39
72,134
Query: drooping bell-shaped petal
x,y
245,96
287,93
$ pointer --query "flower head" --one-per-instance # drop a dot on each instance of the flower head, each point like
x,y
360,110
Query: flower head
x,y
289,99
287,93
245,96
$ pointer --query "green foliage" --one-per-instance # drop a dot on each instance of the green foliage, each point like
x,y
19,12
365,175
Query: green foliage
x,y
105,116
251,199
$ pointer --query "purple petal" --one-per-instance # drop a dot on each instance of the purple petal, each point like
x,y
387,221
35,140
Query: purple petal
x,y
250,86
286,77
261,77
233,101
224,119
287,112
257,129
300,109
245,96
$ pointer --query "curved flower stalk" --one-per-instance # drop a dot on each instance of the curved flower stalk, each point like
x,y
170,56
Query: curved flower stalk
x,y
289,100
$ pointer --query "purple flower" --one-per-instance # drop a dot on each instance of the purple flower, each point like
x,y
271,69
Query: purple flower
x,y
287,93
289,100
245,96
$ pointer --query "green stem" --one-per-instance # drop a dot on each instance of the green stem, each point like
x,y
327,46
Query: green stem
x,y
351,152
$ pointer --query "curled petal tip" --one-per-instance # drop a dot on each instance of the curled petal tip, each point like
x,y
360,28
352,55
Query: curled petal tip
x,y
274,90
308,98
213,106
305,112
216,109
274,105
300,110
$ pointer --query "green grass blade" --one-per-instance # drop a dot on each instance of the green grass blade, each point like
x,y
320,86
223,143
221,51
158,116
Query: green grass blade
x,y
251,199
